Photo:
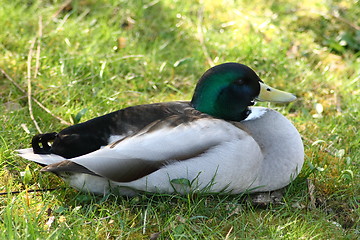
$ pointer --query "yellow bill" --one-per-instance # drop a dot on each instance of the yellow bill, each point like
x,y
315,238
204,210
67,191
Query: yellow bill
x,y
269,94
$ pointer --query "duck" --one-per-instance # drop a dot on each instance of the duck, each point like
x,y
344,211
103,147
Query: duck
x,y
218,142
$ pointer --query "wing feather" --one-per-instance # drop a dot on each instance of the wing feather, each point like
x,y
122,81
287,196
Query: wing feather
x,y
161,143
42,159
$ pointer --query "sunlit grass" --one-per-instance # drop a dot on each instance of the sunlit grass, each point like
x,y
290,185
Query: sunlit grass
x,y
106,55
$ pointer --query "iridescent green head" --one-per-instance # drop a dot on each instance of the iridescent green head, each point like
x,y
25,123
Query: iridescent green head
x,y
227,90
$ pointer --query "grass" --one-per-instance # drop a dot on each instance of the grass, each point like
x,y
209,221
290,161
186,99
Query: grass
x,y
106,55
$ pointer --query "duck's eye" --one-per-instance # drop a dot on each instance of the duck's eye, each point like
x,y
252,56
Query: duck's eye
x,y
268,89
239,82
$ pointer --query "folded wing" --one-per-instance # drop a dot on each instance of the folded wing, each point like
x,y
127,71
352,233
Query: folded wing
x,y
177,138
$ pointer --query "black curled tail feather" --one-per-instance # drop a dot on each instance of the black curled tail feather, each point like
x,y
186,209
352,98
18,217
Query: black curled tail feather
x,y
44,139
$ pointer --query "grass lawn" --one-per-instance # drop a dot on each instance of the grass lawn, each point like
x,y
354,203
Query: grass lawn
x,y
65,62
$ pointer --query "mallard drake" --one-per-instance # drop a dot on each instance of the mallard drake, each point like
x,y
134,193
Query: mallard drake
x,y
217,142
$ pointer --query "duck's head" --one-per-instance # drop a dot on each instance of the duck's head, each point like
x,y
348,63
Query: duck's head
x,y
227,90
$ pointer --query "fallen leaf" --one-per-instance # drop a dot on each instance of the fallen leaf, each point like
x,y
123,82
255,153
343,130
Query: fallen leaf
x,y
121,42
62,219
